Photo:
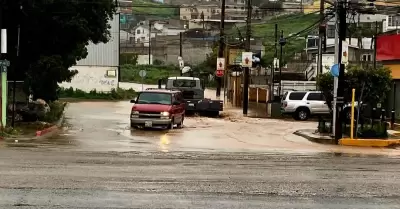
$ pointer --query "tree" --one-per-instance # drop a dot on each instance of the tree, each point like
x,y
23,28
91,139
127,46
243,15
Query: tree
x,y
376,83
54,35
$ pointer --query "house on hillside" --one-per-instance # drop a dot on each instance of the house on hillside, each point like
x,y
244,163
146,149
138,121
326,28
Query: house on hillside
x,y
142,33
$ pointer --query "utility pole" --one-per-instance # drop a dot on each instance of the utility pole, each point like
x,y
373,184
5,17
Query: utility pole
x,y
3,67
180,47
274,67
321,37
149,42
221,45
15,73
340,90
282,42
375,39
246,69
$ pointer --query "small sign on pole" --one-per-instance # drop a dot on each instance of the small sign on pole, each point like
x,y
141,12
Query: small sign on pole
x,y
345,52
247,59
220,67
142,74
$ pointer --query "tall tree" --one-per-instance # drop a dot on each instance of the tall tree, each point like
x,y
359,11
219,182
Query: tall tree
x,y
54,35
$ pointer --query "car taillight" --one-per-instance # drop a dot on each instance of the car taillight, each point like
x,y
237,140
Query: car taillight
x,y
284,104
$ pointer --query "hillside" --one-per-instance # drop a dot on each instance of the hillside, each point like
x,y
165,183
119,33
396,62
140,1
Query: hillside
x,y
153,9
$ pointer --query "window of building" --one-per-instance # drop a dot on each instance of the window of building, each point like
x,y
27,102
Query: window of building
x,y
193,16
330,33
366,57
138,32
393,21
184,17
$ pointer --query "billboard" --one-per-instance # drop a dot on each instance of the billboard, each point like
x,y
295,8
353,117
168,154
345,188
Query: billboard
x,y
388,47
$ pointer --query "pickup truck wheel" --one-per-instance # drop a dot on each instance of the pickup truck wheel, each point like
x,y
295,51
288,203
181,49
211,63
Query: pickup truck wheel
x,y
302,114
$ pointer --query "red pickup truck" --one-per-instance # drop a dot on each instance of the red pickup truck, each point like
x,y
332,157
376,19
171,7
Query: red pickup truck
x,y
158,108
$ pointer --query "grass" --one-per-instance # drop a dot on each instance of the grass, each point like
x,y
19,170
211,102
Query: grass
x,y
290,24
149,8
130,73
118,94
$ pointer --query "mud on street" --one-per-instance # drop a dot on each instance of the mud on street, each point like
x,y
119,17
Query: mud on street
x,y
229,162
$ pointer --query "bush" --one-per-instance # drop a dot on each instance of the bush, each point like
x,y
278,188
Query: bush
x,y
119,94
56,112
130,73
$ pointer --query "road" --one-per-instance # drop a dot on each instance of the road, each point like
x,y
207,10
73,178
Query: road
x,y
227,162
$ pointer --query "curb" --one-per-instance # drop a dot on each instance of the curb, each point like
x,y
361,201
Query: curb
x,y
42,134
385,143
320,140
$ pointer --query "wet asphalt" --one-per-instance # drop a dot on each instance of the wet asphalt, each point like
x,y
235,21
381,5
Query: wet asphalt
x,y
227,162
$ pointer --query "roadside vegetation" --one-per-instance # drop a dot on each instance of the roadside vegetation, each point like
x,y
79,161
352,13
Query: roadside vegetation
x,y
151,8
118,94
130,73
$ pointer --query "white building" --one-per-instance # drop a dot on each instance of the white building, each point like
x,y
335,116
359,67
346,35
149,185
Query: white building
x,y
100,69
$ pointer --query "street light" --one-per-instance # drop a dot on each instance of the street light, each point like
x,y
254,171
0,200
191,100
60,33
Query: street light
x,y
282,42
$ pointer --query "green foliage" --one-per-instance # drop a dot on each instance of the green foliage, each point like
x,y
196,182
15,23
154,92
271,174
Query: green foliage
x,y
130,73
56,111
376,82
128,58
54,35
119,94
153,8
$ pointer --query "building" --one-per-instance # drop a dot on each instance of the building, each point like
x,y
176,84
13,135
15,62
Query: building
x,y
100,69
388,53
142,33
189,12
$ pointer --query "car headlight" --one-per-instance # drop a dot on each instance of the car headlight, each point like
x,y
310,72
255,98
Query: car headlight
x,y
165,114
135,112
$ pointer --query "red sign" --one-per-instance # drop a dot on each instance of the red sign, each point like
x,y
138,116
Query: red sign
x,y
219,73
388,47
247,60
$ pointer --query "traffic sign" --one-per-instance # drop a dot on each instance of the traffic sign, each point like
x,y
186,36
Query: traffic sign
x,y
142,73
247,59
221,64
219,73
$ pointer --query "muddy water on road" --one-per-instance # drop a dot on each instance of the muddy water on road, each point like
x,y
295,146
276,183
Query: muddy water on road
x,y
104,126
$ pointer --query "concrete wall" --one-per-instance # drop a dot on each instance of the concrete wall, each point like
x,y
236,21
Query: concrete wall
x,y
90,78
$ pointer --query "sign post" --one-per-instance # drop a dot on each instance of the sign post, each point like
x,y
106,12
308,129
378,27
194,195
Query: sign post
x,y
247,59
220,67
4,64
142,74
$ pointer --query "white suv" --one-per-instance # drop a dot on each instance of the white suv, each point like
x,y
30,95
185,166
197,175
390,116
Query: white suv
x,y
303,104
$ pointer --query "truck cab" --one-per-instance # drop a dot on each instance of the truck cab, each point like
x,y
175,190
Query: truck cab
x,y
192,89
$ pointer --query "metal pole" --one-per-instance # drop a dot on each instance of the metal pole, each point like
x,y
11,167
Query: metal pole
x,y
15,75
221,45
274,66
3,46
321,36
280,67
247,70
335,79
340,90
180,48
149,42
375,39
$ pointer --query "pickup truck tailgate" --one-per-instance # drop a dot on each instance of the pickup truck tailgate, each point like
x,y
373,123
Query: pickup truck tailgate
x,y
204,105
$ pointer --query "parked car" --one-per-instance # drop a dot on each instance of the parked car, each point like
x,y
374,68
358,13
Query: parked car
x,y
303,104
158,108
